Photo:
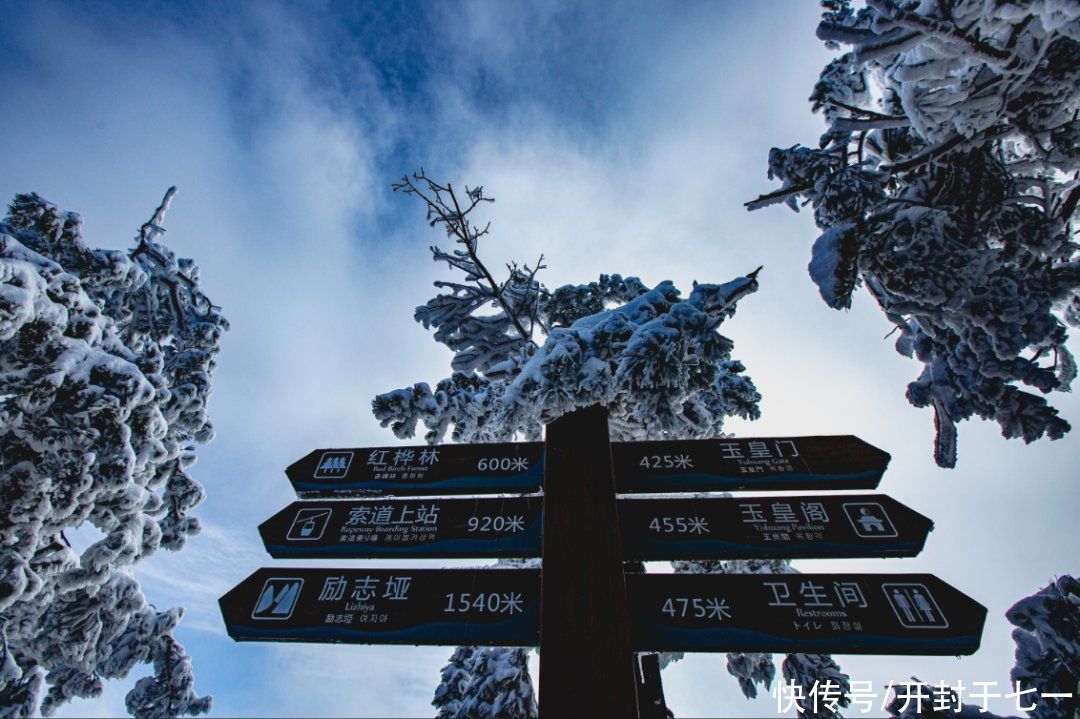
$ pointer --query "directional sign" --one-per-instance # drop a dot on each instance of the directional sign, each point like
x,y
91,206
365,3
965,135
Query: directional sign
x,y
387,606
861,525
706,465
480,527
445,469
827,613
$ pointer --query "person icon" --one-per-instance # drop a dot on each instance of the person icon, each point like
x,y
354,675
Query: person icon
x,y
924,607
870,523
901,602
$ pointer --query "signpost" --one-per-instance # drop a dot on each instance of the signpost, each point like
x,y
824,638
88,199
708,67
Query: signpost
x,y
586,660
768,463
841,613
425,470
861,525
822,613
357,529
386,606
712,465
588,617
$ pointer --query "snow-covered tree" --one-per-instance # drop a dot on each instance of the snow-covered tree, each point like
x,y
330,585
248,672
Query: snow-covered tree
x,y
947,184
454,681
498,685
106,359
524,355
1047,637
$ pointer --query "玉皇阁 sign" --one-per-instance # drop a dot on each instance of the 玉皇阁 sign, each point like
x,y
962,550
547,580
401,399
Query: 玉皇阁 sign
x,y
776,463
808,526
425,470
386,606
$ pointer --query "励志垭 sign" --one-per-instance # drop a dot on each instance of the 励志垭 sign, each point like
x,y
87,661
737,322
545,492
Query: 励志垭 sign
x,y
386,606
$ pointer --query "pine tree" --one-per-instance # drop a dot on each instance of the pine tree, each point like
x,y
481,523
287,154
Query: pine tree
x,y
824,687
169,692
499,686
455,678
524,355
105,366
947,184
1047,637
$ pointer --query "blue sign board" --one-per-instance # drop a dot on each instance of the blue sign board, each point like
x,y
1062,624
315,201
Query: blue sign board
x,y
506,468
371,528
806,526
763,463
815,613
386,606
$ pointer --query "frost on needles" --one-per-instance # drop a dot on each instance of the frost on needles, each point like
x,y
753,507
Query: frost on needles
x,y
947,185
524,355
106,360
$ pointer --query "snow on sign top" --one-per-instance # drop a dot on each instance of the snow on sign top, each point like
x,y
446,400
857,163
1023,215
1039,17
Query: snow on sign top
x,y
761,463
423,470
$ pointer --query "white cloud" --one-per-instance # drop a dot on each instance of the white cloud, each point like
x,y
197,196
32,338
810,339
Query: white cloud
x,y
284,199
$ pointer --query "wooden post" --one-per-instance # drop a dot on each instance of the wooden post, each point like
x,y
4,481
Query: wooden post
x,y
586,663
650,698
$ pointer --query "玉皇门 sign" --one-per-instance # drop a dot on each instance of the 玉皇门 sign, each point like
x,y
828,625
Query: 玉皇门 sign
x,y
512,467
386,606
777,463
476,527
817,613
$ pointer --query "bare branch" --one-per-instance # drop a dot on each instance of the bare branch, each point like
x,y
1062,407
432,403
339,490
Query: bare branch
x,y
448,211
773,198
863,111
152,227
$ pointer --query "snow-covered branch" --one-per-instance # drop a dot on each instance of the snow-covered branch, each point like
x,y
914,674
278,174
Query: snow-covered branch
x,y
106,360
959,212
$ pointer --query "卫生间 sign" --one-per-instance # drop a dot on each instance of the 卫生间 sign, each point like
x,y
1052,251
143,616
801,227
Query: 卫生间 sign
x,y
819,613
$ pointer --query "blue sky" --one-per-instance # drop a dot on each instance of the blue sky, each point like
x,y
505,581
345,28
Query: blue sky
x,y
614,138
